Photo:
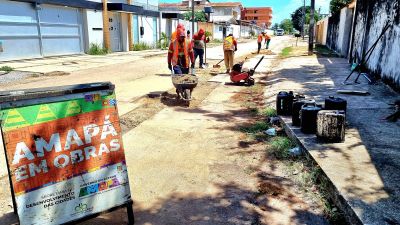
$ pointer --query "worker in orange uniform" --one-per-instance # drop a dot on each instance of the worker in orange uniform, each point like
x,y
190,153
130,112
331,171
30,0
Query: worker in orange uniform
x,y
230,47
259,41
180,54
267,40
174,34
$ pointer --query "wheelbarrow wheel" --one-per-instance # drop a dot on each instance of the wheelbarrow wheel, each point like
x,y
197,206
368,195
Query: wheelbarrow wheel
x,y
187,95
250,82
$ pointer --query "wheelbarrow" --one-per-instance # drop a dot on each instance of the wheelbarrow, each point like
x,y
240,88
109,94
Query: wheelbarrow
x,y
184,84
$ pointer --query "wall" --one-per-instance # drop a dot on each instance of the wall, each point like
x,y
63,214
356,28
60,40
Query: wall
x,y
322,31
345,25
371,17
93,28
147,23
218,32
207,27
236,31
333,30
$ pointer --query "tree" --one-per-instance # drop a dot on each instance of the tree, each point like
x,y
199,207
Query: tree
x,y
199,16
297,17
275,26
337,5
287,25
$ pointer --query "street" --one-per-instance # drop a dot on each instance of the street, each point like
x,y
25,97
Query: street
x,y
186,165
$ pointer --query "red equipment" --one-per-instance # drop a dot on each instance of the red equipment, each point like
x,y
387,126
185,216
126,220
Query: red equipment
x,y
238,75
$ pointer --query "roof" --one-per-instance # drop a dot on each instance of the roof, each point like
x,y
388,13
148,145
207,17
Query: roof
x,y
251,8
225,4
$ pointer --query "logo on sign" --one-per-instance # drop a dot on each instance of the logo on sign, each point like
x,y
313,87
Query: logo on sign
x,y
82,208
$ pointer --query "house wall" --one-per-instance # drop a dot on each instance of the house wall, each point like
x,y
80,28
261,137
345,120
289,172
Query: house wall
x,y
207,27
93,28
371,18
322,31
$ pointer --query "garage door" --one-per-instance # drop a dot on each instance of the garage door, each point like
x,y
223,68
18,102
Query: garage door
x,y
61,30
19,35
27,31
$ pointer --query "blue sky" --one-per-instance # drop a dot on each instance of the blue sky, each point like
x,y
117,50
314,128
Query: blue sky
x,y
281,8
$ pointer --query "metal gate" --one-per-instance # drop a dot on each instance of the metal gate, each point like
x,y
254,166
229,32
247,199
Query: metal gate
x,y
31,31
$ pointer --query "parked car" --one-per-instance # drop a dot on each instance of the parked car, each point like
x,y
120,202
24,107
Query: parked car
x,y
280,32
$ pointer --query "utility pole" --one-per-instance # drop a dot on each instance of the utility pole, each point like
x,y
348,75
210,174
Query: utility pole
x,y
311,35
192,17
303,20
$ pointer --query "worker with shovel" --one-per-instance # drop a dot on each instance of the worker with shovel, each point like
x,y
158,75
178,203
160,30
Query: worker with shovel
x,y
230,47
199,41
259,41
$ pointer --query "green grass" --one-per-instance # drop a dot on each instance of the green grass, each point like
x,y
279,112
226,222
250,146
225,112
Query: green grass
x,y
269,112
279,147
97,49
255,128
142,46
286,51
6,69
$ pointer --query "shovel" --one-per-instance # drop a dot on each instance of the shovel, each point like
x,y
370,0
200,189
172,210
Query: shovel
x,y
217,65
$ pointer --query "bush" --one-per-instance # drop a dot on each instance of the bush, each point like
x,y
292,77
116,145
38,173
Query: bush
x,y
142,46
97,49
163,42
6,69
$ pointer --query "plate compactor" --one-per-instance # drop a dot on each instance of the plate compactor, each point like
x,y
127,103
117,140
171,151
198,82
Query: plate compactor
x,y
239,74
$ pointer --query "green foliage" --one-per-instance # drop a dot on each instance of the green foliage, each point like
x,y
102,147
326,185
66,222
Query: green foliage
x,y
337,5
286,51
280,147
6,69
287,25
208,34
255,128
275,26
142,46
297,17
252,33
269,112
163,42
199,16
97,49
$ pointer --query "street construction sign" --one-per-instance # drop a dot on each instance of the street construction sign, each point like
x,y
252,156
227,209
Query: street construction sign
x,y
64,153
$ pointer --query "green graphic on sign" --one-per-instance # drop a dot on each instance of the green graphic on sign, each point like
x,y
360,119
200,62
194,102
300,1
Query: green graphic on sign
x,y
37,114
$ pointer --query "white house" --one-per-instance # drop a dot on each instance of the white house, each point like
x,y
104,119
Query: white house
x,y
226,17
32,29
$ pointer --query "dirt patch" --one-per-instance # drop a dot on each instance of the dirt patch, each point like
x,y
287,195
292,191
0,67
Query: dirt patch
x,y
150,106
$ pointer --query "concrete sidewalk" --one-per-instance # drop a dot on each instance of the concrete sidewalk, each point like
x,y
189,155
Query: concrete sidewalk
x,y
364,170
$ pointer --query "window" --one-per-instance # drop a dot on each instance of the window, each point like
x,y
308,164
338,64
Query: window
x,y
255,11
256,17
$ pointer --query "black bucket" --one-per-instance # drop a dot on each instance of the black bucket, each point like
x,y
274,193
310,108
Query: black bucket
x,y
308,115
332,103
284,102
296,110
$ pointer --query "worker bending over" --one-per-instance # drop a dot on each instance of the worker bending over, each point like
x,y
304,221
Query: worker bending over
x,y
230,47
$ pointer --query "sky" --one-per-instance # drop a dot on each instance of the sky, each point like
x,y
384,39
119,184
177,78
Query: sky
x,y
281,8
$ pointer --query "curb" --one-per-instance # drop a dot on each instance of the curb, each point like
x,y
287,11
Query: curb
x,y
335,196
